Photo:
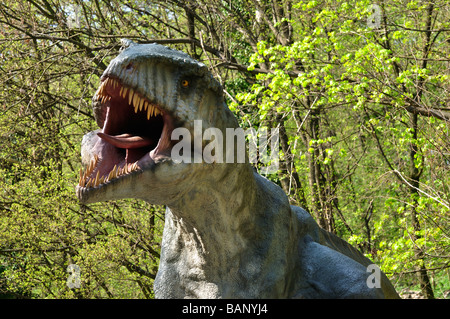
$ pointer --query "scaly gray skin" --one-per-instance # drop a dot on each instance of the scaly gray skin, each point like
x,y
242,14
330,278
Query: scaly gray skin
x,y
229,233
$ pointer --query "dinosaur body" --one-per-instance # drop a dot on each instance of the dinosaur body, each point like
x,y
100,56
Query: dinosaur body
x,y
229,232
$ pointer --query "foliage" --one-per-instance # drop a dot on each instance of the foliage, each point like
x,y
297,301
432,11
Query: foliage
x,y
362,111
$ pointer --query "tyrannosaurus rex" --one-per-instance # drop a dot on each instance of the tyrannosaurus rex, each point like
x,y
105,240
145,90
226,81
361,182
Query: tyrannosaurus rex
x,y
229,232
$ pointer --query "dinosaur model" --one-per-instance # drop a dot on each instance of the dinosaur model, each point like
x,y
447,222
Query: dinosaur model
x,y
229,232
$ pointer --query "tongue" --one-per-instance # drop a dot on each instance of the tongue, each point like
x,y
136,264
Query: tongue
x,y
126,140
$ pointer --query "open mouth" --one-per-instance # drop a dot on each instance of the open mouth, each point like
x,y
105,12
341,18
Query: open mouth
x,y
134,133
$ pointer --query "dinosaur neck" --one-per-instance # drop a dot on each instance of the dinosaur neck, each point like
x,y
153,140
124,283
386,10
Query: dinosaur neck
x,y
219,236
223,201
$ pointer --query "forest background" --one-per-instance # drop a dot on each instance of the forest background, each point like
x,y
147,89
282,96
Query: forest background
x,y
359,91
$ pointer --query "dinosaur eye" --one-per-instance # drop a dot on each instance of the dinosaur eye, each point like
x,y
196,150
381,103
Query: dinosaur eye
x,y
185,83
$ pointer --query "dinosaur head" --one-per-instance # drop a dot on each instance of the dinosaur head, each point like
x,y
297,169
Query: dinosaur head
x,y
145,93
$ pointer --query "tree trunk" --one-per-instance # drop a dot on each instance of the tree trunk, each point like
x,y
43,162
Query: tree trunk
x,y
424,280
317,178
289,178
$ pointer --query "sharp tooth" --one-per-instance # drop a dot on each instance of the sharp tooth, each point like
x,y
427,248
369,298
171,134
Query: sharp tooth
x,y
141,104
110,176
145,105
89,183
157,111
121,91
136,101
149,113
112,173
130,96
89,169
101,88
96,179
102,180
125,91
